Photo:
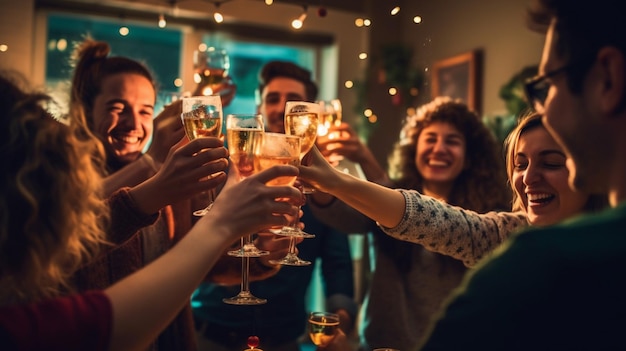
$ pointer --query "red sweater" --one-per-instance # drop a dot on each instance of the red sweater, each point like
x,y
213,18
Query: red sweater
x,y
76,322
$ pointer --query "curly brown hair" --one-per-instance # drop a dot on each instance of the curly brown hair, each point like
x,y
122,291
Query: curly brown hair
x,y
481,186
52,216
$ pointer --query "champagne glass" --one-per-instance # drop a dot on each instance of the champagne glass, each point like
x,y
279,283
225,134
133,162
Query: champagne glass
x,y
244,133
211,71
302,119
331,117
275,149
322,327
202,117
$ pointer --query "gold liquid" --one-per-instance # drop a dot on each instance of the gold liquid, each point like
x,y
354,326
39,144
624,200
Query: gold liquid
x,y
303,125
242,143
202,127
265,162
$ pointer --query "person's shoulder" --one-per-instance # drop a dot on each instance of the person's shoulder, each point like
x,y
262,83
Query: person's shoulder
x,y
581,236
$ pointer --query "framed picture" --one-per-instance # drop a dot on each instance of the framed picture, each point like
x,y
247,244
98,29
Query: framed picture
x,y
457,77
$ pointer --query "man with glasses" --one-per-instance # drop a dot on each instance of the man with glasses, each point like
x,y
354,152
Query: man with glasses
x,y
562,287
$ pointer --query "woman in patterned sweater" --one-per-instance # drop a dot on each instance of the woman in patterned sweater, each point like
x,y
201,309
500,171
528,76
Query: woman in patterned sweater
x,y
541,196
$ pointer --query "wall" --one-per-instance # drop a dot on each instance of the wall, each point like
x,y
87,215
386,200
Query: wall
x,y
496,27
16,31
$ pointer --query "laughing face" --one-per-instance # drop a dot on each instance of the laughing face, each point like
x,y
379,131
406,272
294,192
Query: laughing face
x,y
540,179
122,115
440,154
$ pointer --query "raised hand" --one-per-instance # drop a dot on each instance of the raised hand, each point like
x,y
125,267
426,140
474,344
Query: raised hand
x,y
184,174
250,206
341,140
168,131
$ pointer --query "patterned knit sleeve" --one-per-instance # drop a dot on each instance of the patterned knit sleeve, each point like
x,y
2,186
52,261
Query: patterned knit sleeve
x,y
453,231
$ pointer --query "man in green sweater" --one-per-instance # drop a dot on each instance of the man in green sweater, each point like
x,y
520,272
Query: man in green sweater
x,y
561,287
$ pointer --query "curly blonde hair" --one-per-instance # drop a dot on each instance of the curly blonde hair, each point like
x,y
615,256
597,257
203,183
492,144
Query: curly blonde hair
x,y
52,216
481,186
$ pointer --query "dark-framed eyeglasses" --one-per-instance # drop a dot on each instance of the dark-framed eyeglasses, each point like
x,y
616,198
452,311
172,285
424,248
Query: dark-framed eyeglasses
x,y
536,88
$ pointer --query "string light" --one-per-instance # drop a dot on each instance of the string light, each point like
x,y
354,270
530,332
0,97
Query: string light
x,y
124,30
162,21
395,10
217,16
298,22
269,2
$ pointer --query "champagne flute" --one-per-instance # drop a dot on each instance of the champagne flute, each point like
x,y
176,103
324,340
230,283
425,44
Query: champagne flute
x,y
202,117
331,117
211,71
283,149
243,136
322,327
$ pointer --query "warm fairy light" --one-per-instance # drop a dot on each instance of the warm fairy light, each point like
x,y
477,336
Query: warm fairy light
x,y
218,17
358,22
61,44
197,78
395,10
372,118
4,47
296,24
363,55
178,82
202,47
367,22
124,31
348,84
269,2
417,19
368,112
393,91
414,91
162,21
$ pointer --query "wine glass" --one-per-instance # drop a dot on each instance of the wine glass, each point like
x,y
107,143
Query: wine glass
x,y
330,117
202,117
283,149
322,327
244,133
211,71
302,119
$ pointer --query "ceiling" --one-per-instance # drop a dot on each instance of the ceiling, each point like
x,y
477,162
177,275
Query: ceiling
x,y
153,6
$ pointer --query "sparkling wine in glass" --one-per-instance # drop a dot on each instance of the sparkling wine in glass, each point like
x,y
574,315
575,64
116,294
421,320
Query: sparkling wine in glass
x,y
202,117
243,135
282,149
331,115
322,327
211,71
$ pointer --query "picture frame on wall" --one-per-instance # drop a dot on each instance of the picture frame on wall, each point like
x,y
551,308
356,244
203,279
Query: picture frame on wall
x,y
458,77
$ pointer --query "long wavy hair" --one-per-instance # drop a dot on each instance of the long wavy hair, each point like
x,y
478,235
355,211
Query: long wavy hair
x,y
482,185
527,122
52,216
